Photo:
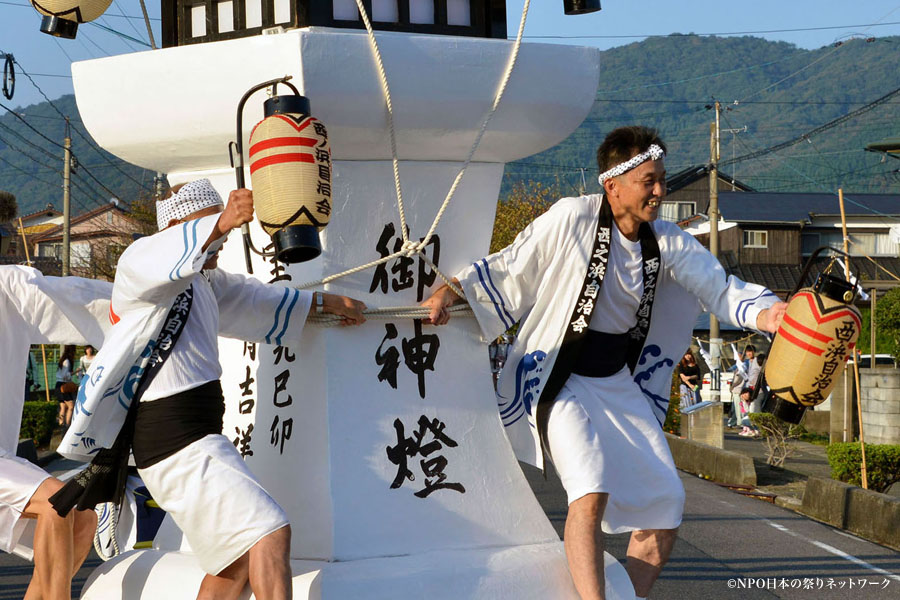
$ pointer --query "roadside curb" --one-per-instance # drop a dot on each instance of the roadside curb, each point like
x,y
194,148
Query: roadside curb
x,y
868,514
715,464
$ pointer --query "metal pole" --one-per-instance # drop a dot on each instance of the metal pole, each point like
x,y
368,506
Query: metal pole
x,y
872,327
147,22
67,167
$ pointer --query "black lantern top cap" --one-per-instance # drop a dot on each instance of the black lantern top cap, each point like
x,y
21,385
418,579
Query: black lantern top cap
x,y
580,7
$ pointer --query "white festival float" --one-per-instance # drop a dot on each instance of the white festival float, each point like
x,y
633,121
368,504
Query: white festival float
x,y
382,442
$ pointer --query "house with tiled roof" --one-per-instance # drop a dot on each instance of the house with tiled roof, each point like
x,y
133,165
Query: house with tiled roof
x,y
765,237
96,239
687,192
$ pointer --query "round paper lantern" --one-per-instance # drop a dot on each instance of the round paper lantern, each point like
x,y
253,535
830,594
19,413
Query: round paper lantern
x,y
290,170
61,17
816,337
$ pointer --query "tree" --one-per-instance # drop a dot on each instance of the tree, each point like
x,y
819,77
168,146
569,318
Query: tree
x,y
887,322
524,203
9,209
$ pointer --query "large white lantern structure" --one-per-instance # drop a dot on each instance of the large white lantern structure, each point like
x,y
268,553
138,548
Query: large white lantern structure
x,y
61,17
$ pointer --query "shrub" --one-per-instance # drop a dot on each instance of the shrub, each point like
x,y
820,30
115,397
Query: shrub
x,y
777,436
673,413
39,421
882,464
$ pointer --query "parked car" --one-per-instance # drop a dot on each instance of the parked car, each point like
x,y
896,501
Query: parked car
x,y
881,361
724,385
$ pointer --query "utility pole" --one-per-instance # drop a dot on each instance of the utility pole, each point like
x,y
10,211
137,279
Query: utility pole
x,y
715,340
67,168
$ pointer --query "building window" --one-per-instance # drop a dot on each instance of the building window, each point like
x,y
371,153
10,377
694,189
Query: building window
x,y
756,239
677,211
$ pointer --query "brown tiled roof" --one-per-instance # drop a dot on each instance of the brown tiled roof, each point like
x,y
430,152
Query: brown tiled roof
x,y
783,278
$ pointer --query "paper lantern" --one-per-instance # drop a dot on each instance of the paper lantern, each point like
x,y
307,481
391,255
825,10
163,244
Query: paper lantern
x,y
816,337
580,7
61,17
290,170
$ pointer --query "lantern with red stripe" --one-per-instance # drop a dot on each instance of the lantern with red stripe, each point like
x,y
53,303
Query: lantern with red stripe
x,y
290,170
61,17
816,337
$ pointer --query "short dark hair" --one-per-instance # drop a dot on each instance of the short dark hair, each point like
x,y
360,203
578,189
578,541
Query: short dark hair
x,y
623,143
749,348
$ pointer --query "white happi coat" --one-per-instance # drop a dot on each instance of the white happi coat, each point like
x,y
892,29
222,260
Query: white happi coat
x,y
36,310
150,275
538,278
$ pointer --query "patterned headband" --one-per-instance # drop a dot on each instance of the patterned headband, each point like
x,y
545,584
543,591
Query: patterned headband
x,y
654,152
192,197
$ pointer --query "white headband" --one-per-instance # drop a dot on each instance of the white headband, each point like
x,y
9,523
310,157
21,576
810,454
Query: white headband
x,y
192,197
654,152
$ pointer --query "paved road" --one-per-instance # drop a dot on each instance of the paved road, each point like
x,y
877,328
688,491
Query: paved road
x,y
725,537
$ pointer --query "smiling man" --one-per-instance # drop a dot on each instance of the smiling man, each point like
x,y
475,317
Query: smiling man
x,y
606,297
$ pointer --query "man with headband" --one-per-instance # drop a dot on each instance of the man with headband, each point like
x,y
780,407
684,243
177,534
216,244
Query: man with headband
x,y
169,304
606,297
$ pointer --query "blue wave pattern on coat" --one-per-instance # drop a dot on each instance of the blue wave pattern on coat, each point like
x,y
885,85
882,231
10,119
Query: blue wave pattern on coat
x,y
646,374
527,379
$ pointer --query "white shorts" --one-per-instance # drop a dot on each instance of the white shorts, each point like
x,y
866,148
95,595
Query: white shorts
x,y
19,480
604,438
215,500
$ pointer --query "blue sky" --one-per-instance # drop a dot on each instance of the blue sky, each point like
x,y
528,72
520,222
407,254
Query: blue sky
x,y
620,22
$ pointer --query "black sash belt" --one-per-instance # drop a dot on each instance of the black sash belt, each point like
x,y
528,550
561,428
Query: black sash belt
x,y
602,355
167,425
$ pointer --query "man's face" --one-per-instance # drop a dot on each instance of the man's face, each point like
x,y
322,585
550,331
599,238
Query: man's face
x,y
639,191
213,262
750,354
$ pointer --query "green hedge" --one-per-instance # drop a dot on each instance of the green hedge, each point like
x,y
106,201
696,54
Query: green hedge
x,y
882,464
39,421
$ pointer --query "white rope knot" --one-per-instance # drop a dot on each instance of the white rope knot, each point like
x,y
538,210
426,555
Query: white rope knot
x,y
654,152
411,248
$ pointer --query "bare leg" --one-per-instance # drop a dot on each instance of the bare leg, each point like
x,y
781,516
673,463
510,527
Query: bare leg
x,y
69,408
83,536
584,545
53,546
270,566
229,583
648,551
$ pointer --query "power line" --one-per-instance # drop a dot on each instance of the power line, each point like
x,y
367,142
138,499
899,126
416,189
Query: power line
x,y
118,33
99,152
817,130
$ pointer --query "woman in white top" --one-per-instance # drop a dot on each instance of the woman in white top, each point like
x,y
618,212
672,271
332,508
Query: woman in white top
x,y
85,363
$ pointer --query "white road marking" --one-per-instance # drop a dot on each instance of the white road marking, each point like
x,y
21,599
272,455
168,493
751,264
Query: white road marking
x,y
835,551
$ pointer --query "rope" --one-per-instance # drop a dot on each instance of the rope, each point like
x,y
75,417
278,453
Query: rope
x,y
409,247
112,528
390,312
386,90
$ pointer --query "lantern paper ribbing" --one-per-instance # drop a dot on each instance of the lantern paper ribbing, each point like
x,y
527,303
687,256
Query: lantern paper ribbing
x,y
290,169
79,11
815,339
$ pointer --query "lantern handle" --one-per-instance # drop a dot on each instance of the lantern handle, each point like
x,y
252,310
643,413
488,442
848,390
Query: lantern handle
x,y
236,154
809,263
